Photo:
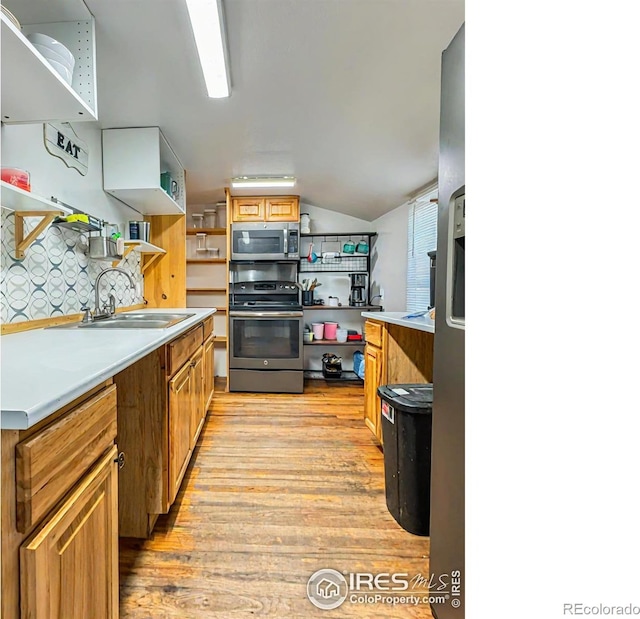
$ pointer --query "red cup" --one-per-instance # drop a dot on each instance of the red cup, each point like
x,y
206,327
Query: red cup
x,y
17,177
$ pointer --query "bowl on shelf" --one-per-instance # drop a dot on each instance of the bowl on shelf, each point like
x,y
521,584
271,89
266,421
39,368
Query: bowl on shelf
x,y
53,55
55,46
308,336
62,71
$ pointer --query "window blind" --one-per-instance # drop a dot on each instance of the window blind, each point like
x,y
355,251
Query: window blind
x,y
422,238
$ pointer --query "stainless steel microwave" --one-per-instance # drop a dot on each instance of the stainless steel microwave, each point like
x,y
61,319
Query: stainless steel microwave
x,y
265,241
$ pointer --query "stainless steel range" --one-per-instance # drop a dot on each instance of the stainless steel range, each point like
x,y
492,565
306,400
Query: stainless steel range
x,y
265,331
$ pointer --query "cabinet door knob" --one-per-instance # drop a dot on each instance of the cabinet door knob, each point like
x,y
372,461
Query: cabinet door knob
x,y
120,459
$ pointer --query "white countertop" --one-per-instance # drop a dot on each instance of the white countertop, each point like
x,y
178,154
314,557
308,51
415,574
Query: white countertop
x,y
421,323
44,369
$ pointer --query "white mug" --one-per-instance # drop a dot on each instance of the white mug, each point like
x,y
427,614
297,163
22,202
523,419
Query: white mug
x,y
333,301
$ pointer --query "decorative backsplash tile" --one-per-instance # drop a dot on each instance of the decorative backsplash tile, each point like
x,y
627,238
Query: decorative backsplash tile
x,y
56,278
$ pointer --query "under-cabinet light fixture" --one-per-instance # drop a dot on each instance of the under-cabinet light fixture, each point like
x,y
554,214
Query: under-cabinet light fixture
x,y
207,23
263,181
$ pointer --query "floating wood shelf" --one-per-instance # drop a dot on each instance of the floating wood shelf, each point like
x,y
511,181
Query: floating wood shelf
x,y
150,253
209,231
220,339
206,261
25,204
205,290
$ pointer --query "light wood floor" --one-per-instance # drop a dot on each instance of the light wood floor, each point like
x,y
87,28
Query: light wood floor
x,y
280,486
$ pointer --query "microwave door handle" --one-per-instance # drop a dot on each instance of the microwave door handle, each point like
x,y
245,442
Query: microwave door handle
x,y
285,236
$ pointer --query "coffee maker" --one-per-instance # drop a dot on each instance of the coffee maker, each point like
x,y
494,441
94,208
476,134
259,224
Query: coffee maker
x,y
358,294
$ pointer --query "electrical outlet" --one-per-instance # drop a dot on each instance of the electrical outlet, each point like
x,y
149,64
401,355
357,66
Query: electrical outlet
x,y
382,293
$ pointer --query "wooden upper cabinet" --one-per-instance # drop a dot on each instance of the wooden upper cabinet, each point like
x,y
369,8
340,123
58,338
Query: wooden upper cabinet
x,y
247,209
286,208
266,208
69,566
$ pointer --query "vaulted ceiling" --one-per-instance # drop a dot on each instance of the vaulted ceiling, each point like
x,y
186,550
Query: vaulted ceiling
x,y
342,94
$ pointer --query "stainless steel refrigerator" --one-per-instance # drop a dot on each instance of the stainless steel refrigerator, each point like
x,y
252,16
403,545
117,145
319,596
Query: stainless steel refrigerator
x,y
447,464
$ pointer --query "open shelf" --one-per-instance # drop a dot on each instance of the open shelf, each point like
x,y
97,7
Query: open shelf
x,y
209,231
206,260
363,308
16,199
133,158
25,204
345,377
150,253
334,343
343,264
339,234
32,91
205,290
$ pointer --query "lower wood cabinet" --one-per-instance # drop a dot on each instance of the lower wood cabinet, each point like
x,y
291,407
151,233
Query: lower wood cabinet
x,y
69,565
374,376
162,403
208,371
393,355
60,513
181,395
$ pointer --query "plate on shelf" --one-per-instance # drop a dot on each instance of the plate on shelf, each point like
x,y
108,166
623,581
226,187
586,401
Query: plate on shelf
x,y
11,17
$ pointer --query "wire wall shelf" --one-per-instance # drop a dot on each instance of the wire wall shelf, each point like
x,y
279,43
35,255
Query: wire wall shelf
x,y
341,264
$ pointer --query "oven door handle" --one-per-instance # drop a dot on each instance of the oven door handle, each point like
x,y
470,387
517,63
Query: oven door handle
x,y
274,314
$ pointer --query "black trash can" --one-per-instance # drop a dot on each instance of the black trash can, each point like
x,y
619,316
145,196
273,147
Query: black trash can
x,y
406,432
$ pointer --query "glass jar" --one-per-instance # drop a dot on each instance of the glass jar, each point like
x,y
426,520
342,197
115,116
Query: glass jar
x,y
198,219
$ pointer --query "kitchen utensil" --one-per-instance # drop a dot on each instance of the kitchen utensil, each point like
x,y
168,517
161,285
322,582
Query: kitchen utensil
x,y
349,247
307,297
17,177
362,247
312,257
101,247
334,301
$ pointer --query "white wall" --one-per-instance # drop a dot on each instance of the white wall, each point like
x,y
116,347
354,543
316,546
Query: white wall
x,y
323,220
390,259
23,147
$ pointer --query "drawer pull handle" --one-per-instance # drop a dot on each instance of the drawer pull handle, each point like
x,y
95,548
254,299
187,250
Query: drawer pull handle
x,y
120,459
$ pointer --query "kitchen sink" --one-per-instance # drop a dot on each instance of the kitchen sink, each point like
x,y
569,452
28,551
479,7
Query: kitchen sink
x,y
130,320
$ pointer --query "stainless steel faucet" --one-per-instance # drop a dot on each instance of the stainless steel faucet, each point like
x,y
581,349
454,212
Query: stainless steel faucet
x,y
108,310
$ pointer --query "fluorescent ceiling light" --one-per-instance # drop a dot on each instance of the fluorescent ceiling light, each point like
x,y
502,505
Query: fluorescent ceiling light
x,y
263,181
207,23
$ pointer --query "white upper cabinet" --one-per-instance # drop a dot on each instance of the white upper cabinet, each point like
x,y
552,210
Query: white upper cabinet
x,y
133,161
32,91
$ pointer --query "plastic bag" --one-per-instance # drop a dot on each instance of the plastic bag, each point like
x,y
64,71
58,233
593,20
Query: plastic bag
x,y
358,363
